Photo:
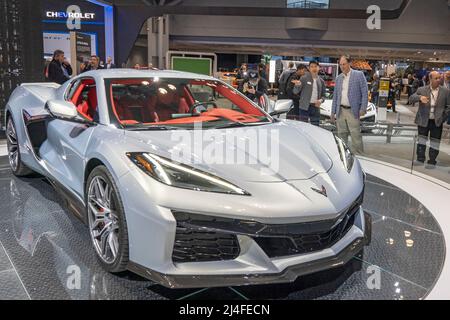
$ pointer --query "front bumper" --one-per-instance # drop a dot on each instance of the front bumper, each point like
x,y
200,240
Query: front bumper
x,y
289,274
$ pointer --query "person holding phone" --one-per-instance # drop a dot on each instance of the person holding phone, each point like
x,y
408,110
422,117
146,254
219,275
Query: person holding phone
x,y
94,64
434,108
59,70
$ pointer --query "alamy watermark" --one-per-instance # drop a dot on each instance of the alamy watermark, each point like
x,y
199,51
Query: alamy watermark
x,y
374,20
374,279
256,146
73,277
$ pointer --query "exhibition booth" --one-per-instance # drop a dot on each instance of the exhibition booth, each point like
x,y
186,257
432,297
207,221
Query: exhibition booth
x,y
145,183
395,230
80,30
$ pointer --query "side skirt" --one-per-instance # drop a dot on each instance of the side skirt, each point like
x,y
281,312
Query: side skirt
x,y
72,202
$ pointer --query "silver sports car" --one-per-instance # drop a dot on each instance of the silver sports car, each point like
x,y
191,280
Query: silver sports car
x,y
183,180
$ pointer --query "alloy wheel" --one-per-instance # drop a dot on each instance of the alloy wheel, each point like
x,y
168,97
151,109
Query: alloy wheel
x,y
103,219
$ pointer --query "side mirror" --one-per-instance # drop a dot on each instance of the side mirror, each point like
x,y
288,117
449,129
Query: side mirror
x,y
62,109
282,106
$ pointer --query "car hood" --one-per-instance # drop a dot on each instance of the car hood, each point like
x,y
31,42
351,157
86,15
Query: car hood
x,y
284,151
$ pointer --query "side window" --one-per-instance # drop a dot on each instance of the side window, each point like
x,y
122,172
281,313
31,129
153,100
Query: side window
x,y
73,87
83,94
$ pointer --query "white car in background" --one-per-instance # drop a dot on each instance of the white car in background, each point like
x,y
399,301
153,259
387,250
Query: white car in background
x,y
282,106
325,109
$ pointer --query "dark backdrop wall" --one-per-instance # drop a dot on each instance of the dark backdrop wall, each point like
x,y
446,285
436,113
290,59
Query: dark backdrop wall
x,y
21,57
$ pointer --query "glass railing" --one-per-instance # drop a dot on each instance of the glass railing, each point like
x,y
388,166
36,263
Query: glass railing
x,y
396,144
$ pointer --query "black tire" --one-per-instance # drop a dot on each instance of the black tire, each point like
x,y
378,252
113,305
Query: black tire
x,y
368,226
121,260
18,168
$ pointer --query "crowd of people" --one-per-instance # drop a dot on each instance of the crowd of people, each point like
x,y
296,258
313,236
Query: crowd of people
x,y
307,89
59,69
408,84
431,92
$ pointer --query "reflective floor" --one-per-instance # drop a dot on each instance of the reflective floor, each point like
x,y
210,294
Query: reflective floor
x,y
40,242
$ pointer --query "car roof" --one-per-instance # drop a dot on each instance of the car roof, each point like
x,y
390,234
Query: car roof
x,y
133,73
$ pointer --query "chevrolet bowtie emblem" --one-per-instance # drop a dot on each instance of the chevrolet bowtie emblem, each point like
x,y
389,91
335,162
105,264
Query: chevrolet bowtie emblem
x,y
322,192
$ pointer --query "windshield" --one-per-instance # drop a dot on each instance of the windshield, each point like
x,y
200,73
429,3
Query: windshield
x,y
180,104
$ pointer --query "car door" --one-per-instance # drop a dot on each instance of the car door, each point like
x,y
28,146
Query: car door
x,y
67,141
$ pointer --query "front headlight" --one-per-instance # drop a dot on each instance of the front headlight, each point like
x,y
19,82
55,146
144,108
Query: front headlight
x,y
182,176
346,155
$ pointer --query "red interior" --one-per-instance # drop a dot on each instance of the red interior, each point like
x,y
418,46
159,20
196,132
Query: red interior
x,y
166,101
86,107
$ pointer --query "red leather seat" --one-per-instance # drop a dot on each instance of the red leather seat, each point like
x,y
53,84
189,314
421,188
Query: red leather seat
x,y
183,106
88,108
123,113
166,105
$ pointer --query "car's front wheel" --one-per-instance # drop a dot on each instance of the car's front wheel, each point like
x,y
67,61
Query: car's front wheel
x,y
107,222
12,143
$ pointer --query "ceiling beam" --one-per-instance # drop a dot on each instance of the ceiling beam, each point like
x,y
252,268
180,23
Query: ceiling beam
x,y
260,12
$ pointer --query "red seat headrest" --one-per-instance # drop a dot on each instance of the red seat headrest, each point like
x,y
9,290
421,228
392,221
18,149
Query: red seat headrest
x,y
183,106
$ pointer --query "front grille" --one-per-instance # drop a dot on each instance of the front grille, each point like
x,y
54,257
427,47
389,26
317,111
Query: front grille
x,y
201,246
301,243
202,238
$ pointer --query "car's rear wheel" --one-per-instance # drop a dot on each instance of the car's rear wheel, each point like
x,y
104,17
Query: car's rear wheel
x,y
107,222
12,142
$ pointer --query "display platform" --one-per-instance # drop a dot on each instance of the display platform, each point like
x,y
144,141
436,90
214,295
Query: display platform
x,y
41,244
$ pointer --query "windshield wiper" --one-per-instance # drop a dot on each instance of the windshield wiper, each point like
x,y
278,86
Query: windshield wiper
x,y
150,128
240,124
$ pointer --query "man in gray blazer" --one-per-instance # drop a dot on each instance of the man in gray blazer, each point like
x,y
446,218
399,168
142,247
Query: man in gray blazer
x,y
311,89
433,112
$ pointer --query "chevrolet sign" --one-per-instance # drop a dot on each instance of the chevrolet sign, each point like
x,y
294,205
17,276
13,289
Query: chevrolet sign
x,y
70,15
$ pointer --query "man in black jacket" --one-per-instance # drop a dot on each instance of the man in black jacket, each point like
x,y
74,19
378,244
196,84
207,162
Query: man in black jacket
x,y
283,81
59,70
294,80
254,86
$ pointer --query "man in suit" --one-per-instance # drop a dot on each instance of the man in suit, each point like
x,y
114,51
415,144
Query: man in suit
x,y
109,63
434,104
311,90
94,64
447,80
350,100
59,70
